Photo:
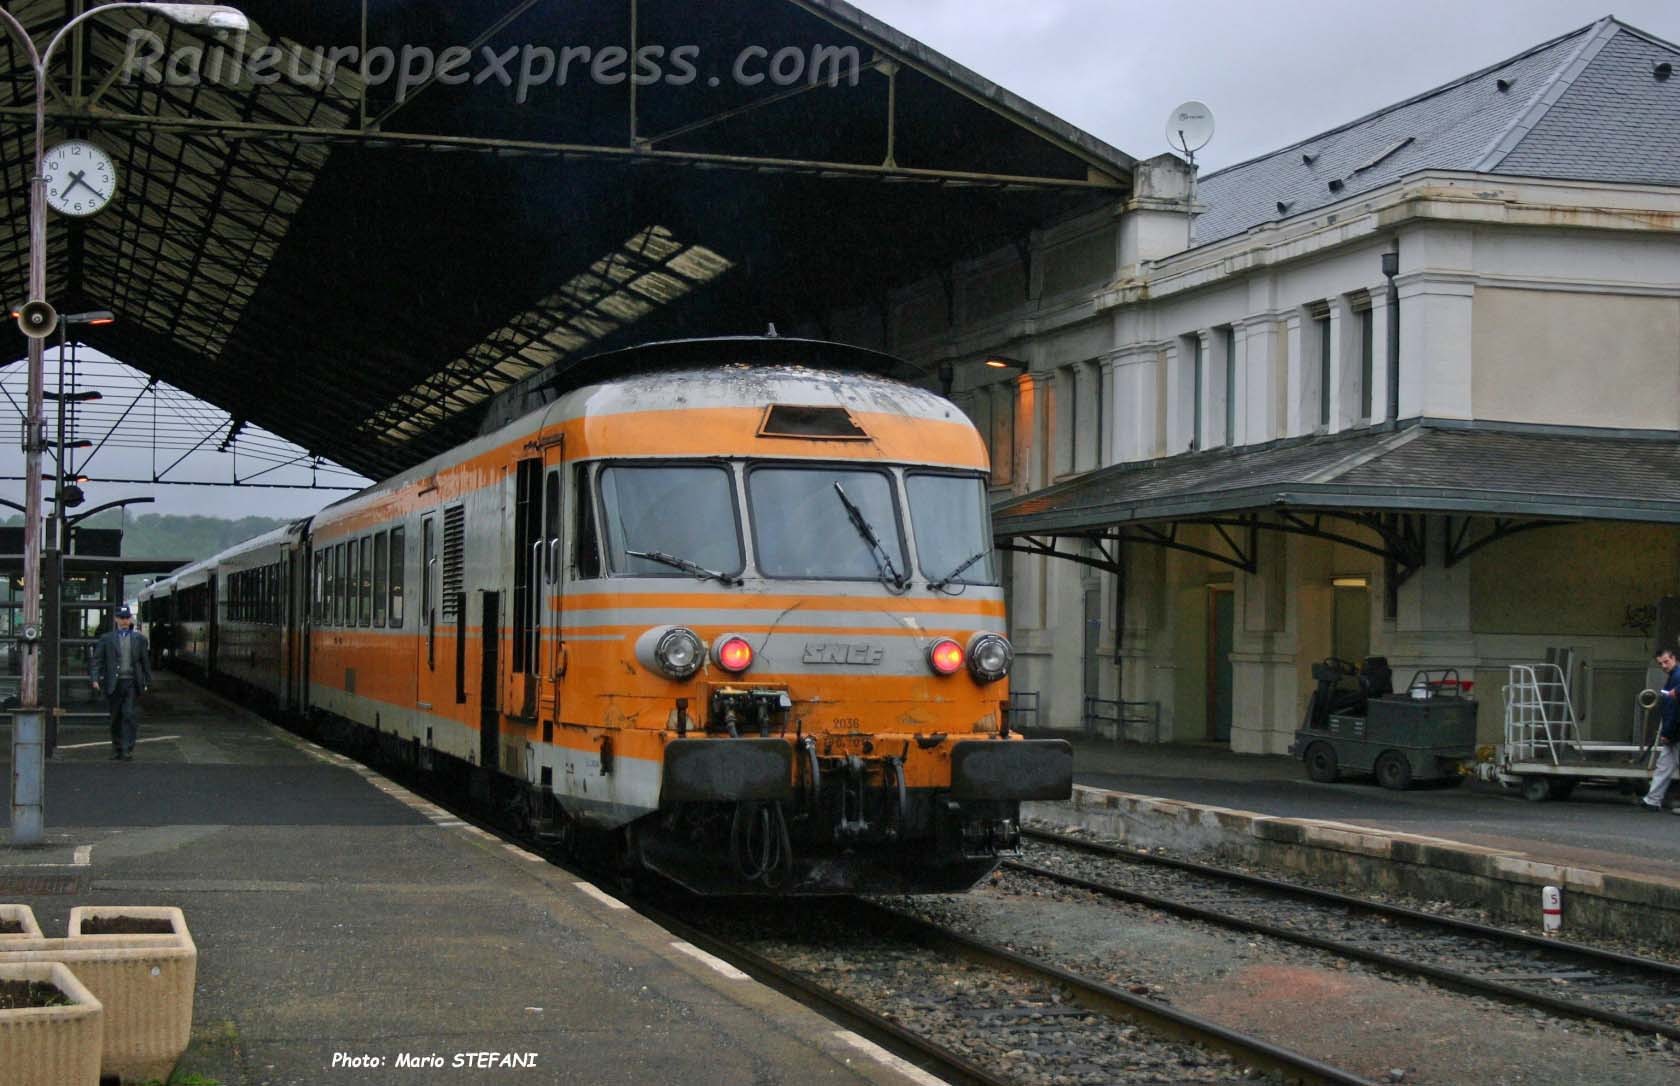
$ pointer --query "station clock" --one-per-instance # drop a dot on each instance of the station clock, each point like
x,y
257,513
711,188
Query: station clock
x,y
81,178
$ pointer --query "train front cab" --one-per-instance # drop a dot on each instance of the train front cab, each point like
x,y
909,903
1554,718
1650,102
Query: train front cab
x,y
803,709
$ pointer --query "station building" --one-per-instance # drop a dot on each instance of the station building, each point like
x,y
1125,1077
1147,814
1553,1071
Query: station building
x,y
1204,424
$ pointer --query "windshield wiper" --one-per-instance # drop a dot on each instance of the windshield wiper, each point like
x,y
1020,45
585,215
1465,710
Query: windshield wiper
x,y
685,565
884,567
934,586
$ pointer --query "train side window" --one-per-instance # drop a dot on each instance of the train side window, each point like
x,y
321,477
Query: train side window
x,y
341,577
551,526
398,560
352,572
587,558
381,563
366,582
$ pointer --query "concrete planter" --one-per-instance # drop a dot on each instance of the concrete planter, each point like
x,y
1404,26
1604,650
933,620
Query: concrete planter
x,y
145,982
51,1046
21,915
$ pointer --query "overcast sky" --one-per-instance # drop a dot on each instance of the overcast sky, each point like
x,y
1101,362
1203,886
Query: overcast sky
x,y
1272,72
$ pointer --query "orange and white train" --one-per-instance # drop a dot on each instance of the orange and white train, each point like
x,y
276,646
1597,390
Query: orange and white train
x,y
742,614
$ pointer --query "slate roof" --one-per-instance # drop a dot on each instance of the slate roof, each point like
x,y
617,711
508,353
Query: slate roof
x,y
1480,469
1584,106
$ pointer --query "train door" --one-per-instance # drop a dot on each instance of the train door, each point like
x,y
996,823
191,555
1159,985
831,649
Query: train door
x,y
212,622
425,667
489,708
528,548
293,606
552,651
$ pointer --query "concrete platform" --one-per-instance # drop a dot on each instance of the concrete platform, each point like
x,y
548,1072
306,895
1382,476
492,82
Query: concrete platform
x,y
341,920
1476,843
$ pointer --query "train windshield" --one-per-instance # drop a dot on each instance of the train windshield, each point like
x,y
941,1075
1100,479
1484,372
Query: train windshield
x,y
953,537
826,523
670,521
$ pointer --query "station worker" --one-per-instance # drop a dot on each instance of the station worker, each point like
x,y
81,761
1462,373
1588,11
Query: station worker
x,y
1668,737
121,669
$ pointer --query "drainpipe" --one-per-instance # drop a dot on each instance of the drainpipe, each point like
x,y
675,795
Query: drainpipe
x,y
1391,268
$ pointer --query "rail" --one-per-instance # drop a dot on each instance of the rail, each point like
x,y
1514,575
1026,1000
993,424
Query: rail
x,y
1621,990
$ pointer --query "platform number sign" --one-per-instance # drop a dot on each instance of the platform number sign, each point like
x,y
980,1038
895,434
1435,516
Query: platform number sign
x,y
81,178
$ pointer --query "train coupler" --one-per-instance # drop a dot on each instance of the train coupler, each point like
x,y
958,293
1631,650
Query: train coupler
x,y
982,834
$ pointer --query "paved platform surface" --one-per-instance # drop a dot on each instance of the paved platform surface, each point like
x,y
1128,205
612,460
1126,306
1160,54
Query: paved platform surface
x,y
339,917
1595,828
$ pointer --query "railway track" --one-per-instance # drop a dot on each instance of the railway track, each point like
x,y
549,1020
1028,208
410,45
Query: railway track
x,y
905,969
1562,978
1051,1000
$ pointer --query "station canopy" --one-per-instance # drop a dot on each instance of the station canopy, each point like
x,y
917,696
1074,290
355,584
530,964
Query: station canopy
x,y
358,257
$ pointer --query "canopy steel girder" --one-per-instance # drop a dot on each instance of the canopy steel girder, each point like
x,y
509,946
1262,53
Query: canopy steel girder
x,y
1460,546
1401,538
218,174
633,155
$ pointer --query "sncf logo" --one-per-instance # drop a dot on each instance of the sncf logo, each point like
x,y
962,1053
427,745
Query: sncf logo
x,y
843,652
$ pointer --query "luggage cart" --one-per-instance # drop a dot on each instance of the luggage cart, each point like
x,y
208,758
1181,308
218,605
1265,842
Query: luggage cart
x,y
1544,752
1355,724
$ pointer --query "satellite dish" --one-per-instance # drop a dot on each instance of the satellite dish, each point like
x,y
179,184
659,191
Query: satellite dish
x,y
1190,127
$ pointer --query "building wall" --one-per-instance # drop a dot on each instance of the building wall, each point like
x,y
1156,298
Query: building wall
x,y
1529,302
1611,359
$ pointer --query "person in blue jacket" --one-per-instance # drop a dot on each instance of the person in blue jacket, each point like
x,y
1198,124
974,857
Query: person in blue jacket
x,y
1668,736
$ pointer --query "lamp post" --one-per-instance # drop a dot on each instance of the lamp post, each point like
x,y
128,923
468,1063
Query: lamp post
x,y
28,738
67,493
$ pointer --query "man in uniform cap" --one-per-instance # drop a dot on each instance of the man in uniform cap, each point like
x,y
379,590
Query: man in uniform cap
x,y
121,669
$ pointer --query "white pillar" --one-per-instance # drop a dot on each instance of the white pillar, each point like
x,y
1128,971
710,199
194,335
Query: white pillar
x,y
1262,378
1435,355
1344,364
1087,412
1106,439
1379,350
1302,372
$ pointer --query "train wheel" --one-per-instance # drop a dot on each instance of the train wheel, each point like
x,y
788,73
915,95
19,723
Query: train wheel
x,y
1394,771
1321,763
1536,789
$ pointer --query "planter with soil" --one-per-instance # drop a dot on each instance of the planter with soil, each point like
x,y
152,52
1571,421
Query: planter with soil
x,y
17,922
142,964
51,1026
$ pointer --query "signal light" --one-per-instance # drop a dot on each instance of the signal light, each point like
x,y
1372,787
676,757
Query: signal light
x,y
946,656
734,654
989,657
678,652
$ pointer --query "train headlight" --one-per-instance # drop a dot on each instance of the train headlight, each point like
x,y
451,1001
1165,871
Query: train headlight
x,y
678,652
733,653
989,657
945,656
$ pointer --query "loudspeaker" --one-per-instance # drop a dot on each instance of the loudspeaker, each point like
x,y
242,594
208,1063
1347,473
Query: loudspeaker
x,y
37,319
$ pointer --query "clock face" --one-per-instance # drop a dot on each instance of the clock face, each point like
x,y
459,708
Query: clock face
x,y
81,178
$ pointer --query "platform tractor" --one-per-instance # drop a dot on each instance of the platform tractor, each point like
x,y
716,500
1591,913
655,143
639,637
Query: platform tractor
x,y
1357,723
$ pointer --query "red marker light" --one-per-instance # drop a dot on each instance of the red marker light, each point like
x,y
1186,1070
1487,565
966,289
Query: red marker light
x,y
946,657
735,654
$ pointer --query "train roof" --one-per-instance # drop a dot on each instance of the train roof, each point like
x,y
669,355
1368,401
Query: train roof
x,y
742,371
713,353
204,567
